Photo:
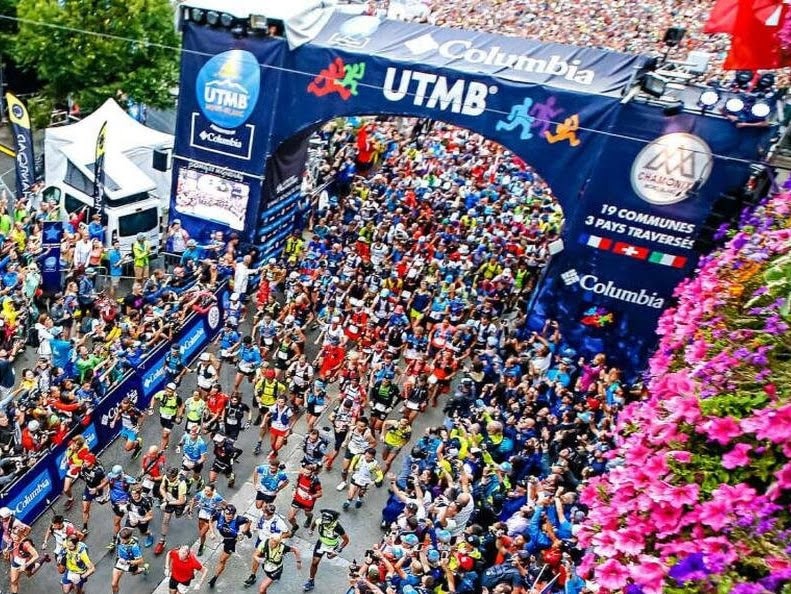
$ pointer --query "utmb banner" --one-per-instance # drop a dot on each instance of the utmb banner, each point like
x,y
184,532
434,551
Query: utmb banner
x,y
634,184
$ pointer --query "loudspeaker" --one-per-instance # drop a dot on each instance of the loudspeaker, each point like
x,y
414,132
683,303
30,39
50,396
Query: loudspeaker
x,y
673,36
161,159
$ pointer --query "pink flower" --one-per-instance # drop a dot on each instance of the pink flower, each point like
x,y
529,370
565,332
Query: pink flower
x,y
629,541
604,544
737,457
685,494
649,573
721,429
735,494
665,518
612,575
685,408
681,456
783,477
714,514
655,467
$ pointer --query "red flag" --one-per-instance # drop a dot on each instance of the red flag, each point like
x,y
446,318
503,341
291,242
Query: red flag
x,y
723,17
755,43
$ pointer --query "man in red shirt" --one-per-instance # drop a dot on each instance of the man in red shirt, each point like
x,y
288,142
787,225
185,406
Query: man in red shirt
x,y
215,402
180,566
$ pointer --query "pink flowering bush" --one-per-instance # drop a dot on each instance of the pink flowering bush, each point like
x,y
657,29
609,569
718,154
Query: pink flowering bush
x,y
699,491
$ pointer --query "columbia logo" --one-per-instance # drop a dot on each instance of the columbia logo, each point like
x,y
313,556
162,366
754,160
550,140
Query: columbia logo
x,y
421,45
570,277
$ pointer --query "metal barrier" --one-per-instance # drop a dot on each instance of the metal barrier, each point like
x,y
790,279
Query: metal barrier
x,y
31,494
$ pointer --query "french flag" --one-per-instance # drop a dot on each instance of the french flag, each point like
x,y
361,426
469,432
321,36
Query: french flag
x,y
595,241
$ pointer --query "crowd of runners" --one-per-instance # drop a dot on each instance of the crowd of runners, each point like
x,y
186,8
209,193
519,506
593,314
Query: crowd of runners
x,y
410,286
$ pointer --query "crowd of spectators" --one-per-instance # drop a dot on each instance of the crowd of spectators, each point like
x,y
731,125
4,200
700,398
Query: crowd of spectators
x,y
106,311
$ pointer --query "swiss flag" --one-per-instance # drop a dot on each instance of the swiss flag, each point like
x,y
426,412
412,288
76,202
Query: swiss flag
x,y
754,42
722,18
633,251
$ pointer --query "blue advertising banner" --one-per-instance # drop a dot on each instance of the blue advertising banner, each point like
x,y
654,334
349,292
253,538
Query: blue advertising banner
x,y
34,492
527,61
24,160
49,260
635,184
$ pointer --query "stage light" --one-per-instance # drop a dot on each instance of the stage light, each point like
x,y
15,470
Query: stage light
x,y
238,30
226,20
709,98
653,84
213,17
673,36
197,15
760,109
258,22
734,105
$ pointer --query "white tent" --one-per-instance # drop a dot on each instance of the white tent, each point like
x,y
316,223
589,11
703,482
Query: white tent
x,y
70,151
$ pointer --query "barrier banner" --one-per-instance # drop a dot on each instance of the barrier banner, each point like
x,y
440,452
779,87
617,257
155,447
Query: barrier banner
x,y
35,491
49,260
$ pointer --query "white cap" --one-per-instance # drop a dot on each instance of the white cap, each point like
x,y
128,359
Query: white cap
x,y
205,357
33,425
171,386
5,512
234,296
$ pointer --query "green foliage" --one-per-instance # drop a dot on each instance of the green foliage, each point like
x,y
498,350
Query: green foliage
x,y
8,28
737,405
92,68
40,110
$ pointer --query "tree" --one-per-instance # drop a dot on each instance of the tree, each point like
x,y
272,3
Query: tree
x,y
91,67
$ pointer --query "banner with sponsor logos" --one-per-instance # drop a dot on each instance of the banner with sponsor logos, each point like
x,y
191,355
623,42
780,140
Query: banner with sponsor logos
x,y
24,160
34,492
635,185
631,242
49,260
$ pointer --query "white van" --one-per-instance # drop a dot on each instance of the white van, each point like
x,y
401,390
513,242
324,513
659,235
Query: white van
x,y
126,215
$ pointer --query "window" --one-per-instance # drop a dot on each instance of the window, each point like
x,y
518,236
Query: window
x,y
138,222
71,204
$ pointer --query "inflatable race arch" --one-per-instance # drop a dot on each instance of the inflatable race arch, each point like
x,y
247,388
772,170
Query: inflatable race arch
x,y
635,184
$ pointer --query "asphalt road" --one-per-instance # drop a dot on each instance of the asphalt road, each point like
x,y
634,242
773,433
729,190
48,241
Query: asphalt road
x,y
362,524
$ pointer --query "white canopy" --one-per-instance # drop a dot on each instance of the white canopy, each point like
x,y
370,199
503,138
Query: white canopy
x,y
129,149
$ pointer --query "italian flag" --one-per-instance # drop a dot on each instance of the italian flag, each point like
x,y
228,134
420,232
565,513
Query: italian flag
x,y
601,243
667,260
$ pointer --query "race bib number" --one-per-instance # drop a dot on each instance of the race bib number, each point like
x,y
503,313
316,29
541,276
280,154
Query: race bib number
x,y
74,577
271,567
353,328
122,564
148,483
245,367
379,407
188,463
231,421
204,514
